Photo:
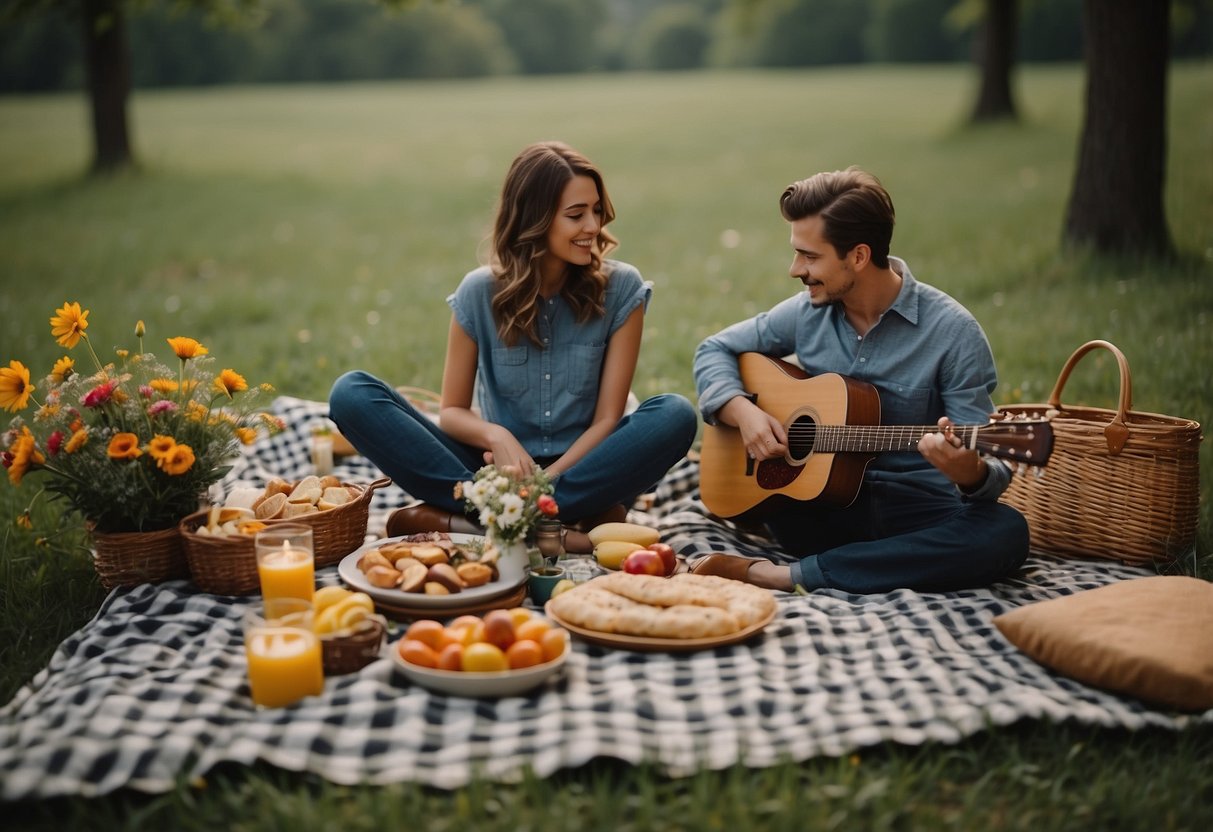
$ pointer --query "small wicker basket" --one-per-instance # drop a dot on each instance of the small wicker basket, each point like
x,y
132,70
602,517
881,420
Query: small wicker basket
x,y
352,652
131,558
227,565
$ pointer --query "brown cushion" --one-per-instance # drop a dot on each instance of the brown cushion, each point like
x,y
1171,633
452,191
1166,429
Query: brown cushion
x,y
1151,638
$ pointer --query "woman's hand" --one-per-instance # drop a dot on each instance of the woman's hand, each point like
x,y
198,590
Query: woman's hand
x,y
505,451
946,451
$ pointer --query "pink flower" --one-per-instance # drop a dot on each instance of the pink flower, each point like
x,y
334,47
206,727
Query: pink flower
x,y
146,391
99,395
162,406
547,505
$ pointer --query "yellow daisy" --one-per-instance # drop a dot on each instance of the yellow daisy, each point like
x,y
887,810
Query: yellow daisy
x,y
68,324
178,462
63,368
79,437
25,453
229,382
186,348
247,436
163,386
15,388
161,446
124,446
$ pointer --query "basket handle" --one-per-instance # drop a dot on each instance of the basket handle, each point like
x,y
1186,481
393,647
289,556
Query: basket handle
x,y
1116,432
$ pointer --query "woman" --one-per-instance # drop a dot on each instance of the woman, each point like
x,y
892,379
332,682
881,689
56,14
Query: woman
x,y
545,339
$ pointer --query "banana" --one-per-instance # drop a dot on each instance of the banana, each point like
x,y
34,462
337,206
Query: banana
x,y
326,596
630,532
610,553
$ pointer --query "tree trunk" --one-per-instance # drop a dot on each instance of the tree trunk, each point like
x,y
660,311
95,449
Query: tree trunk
x,y
1117,202
108,65
996,56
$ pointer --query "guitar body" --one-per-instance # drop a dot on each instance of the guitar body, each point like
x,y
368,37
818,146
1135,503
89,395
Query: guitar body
x,y
731,484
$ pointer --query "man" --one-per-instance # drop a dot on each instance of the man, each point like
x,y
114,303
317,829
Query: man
x,y
925,519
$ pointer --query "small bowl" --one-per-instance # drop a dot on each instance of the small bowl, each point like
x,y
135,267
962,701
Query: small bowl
x,y
478,685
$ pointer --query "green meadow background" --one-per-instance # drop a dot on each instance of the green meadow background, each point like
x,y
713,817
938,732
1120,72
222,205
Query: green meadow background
x,y
302,231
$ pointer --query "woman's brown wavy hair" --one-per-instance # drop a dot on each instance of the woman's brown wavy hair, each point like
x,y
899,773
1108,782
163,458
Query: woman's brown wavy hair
x,y
529,201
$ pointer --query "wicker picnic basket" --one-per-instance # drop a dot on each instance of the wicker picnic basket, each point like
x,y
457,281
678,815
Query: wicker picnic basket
x,y
227,565
131,558
350,652
1120,484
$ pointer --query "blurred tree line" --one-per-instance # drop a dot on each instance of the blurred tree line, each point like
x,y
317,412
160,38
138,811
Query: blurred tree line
x,y
340,40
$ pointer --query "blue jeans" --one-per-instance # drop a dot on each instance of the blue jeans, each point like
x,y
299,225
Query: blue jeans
x,y
425,462
905,530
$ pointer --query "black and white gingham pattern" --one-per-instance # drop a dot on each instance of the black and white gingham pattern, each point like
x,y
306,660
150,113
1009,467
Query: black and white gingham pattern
x,y
154,689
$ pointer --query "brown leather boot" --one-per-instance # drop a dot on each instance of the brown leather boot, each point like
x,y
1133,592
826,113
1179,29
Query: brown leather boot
x,y
614,514
423,517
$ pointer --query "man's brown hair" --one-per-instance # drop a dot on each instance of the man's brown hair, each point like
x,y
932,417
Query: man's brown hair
x,y
853,205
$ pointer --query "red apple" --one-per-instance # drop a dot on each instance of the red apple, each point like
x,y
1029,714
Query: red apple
x,y
644,562
667,556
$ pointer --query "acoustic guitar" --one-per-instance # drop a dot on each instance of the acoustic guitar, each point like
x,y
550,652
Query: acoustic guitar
x,y
834,431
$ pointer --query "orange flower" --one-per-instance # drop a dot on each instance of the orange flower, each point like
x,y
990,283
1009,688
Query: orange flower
x,y
247,436
161,446
178,462
68,325
163,385
124,446
186,348
229,382
24,521
15,388
25,454
79,437
63,368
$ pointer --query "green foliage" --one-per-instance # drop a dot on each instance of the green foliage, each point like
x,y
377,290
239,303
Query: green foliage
x,y
303,231
672,37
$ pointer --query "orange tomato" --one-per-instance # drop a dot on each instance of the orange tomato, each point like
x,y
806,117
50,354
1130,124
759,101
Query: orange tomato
x,y
524,653
532,629
499,628
554,642
464,621
467,634
519,615
417,652
428,632
451,657
482,657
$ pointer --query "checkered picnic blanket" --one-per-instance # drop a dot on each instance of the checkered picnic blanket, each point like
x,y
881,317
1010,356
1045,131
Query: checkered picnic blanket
x,y
152,691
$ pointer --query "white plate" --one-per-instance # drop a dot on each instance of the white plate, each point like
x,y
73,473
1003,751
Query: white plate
x,y
481,685
511,570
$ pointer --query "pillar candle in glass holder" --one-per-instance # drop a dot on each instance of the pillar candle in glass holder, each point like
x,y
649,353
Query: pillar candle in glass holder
x,y
285,562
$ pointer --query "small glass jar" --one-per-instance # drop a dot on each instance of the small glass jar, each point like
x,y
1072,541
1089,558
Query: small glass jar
x,y
549,540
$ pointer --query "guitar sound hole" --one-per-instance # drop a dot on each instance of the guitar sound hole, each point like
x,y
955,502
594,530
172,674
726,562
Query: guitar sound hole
x,y
802,437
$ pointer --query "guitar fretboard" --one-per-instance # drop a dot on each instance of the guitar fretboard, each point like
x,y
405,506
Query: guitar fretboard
x,y
870,438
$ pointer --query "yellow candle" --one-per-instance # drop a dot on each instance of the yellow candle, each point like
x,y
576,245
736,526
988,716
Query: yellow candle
x,y
287,573
284,665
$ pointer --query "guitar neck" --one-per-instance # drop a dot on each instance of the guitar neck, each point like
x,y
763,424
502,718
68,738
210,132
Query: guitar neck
x,y
879,438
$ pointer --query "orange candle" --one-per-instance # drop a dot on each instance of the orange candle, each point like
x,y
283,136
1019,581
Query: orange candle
x,y
283,653
287,573
285,562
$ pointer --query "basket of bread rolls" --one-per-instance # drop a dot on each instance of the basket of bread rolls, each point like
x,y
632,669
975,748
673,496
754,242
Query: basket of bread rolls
x,y
219,540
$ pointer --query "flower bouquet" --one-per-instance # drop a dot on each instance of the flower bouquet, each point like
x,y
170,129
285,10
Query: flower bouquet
x,y
509,505
133,444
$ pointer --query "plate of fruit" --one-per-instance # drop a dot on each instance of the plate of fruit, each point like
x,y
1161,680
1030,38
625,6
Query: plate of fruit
x,y
505,653
431,571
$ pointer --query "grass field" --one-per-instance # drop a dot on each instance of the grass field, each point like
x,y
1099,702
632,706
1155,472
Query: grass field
x,y
302,231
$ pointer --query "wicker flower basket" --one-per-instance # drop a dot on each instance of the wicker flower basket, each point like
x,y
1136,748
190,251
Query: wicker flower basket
x,y
227,565
131,558
352,652
1120,484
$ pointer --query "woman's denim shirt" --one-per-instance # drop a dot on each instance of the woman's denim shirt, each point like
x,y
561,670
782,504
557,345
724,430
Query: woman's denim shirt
x,y
545,397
